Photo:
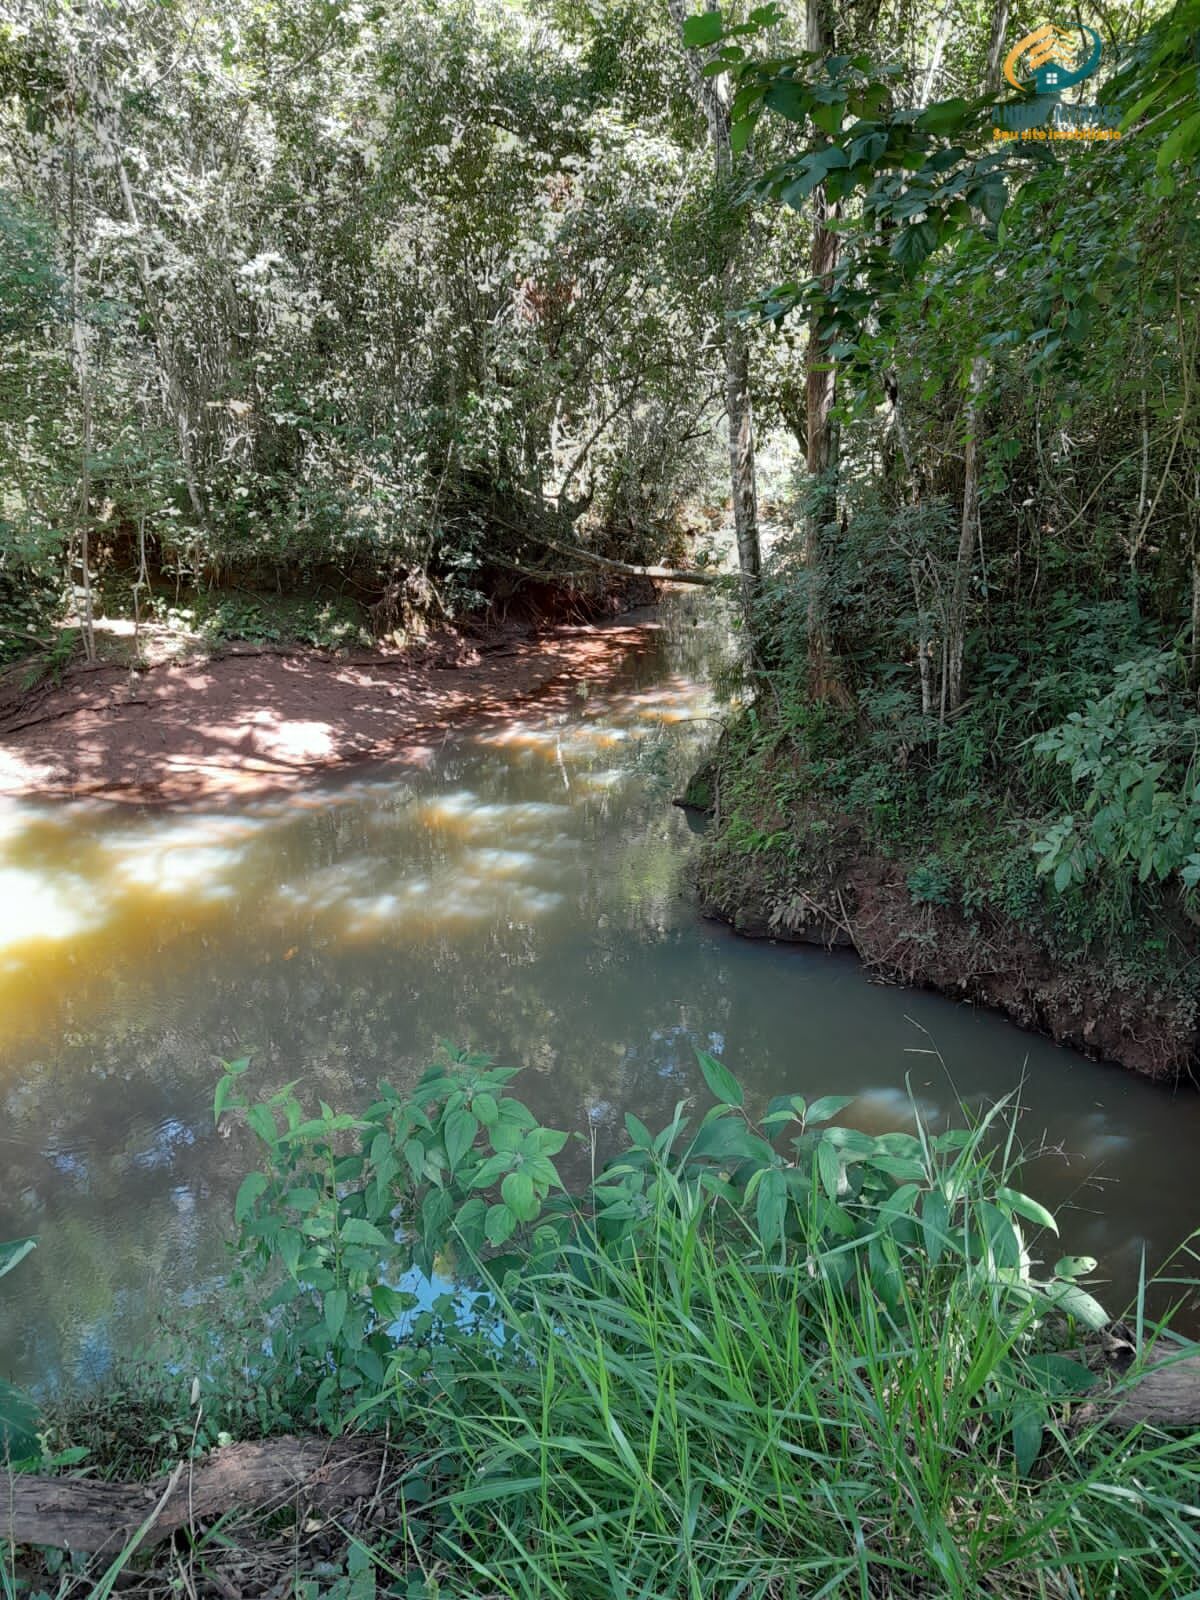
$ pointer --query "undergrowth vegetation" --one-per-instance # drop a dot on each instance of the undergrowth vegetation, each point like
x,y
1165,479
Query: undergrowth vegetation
x,y
761,1355
978,636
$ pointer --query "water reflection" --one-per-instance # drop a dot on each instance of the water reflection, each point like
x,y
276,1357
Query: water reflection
x,y
520,893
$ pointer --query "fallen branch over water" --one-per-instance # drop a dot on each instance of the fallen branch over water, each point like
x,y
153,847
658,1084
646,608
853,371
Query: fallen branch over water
x,y
326,1475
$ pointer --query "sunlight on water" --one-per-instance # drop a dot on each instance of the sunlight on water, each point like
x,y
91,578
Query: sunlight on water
x,y
37,907
522,891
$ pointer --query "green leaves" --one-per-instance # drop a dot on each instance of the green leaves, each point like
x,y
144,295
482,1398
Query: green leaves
x,y
722,1084
336,1303
18,1424
703,29
460,1131
252,1186
771,1204
518,1194
914,244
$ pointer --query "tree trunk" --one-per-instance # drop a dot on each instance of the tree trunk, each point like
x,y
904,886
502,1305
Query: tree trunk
x,y
970,532
739,406
938,51
956,623
995,54
821,443
740,411
84,382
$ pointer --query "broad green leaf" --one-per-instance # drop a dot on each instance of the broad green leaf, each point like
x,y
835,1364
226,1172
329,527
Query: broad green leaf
x,y
252,1186
829,1168
1072,1301
1074,1266
1059,1376
355,1230
500,1224
335,1306
485,1108
788,99
771,1206
1024,1206
518,1194
827,1106
722,1084
639,1134
935,1221
492,1170
1027,1430
704,28
914,244
459,1134
944,116
289,1244
18,1424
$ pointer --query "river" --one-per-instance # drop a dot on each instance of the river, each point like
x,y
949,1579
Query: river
x,y
524,893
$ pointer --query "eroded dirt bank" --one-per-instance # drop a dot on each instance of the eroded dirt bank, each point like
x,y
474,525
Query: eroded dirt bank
x,y
859,899
247,721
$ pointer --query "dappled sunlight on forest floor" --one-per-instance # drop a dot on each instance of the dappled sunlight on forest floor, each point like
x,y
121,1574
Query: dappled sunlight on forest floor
x,y
245,723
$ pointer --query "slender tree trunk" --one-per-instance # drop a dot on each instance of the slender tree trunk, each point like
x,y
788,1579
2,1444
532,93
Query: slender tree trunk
x,y
995,54
84,382
739,406
956,628
938,51
820,389
970,532
172,389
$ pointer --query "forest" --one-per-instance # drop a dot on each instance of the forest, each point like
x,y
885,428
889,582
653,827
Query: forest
x,y
435,436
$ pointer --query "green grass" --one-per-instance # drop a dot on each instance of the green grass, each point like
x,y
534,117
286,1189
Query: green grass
x,y
694,1422
759,1359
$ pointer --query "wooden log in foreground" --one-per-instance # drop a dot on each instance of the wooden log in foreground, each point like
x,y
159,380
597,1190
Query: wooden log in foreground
x,y
329,1475
86,1514
1165,1395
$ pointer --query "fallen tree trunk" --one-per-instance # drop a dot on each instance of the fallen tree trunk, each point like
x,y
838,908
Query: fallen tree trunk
x,y
1166,1394
86,1514
626,568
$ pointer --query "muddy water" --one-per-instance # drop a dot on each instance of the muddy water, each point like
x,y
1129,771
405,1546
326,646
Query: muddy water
x,y
521,893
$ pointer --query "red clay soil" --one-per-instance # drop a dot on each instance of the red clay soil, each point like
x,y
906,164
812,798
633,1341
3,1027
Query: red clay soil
x,y
250,720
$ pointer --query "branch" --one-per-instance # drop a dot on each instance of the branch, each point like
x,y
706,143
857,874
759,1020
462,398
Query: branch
x,y
664,574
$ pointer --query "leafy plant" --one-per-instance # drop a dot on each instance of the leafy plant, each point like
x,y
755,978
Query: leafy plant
x,y
18,1413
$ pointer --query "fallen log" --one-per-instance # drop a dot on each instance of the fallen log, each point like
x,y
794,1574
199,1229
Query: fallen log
x,y
86,1514
1164,1394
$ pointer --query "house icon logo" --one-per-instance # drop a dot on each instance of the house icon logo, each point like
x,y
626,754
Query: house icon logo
x,y
1053,58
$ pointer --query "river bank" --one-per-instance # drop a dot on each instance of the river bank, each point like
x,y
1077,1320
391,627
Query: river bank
x,y
247,720
816,875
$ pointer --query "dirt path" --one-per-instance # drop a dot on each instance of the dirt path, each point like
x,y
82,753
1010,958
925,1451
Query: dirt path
x,y
248,721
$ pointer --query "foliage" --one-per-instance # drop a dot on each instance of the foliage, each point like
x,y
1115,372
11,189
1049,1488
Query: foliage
x,y
830,1358
18,1413
489,337
1133,752
1007,582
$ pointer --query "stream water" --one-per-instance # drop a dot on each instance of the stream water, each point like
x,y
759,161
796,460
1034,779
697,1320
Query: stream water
x,y
523,893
